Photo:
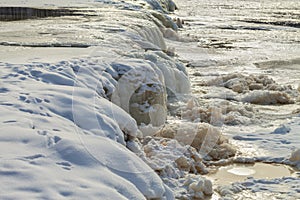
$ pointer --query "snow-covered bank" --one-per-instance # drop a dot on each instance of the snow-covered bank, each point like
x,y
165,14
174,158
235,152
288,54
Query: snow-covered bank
x,y
61,135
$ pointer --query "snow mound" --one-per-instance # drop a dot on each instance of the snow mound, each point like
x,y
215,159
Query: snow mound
x,y
69,126
64,133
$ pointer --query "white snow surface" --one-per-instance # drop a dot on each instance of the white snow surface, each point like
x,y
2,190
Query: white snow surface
x,y
62,141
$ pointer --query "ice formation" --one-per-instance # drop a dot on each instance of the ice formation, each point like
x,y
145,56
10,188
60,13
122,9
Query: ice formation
x,y
198,186
171,159
267,98
295,156
207,139
239,98
223,112
179,166
255,89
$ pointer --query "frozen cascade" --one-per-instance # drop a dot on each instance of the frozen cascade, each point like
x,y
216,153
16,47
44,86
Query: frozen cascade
x,y
174,73
152,35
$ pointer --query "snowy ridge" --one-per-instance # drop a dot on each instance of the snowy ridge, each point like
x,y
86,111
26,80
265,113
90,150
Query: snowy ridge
x,y
61,137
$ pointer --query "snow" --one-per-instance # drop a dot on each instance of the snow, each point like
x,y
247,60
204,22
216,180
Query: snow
x,y
54,161
56,129
93,120
198,186
273,146
66,126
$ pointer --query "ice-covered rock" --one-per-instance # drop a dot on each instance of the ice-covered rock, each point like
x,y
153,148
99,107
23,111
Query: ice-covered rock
x,y
295,156
179,23
255,89
242,83
229,190
148,37
175,75
207,139
148,104
170,34
141,92
164,21
162,5
198,186
283,129
224,112
171,159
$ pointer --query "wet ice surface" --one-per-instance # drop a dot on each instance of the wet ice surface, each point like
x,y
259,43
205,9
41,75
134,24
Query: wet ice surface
x,y
274,142
279,188
241,172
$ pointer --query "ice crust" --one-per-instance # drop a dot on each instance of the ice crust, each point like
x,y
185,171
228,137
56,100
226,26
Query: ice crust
x,y
253,89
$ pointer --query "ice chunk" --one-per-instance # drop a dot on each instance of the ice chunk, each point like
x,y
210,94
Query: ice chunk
x,y
295,156
283,129
264,97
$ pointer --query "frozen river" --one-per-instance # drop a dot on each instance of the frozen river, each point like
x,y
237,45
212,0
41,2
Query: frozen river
x,y
110,100
236,43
